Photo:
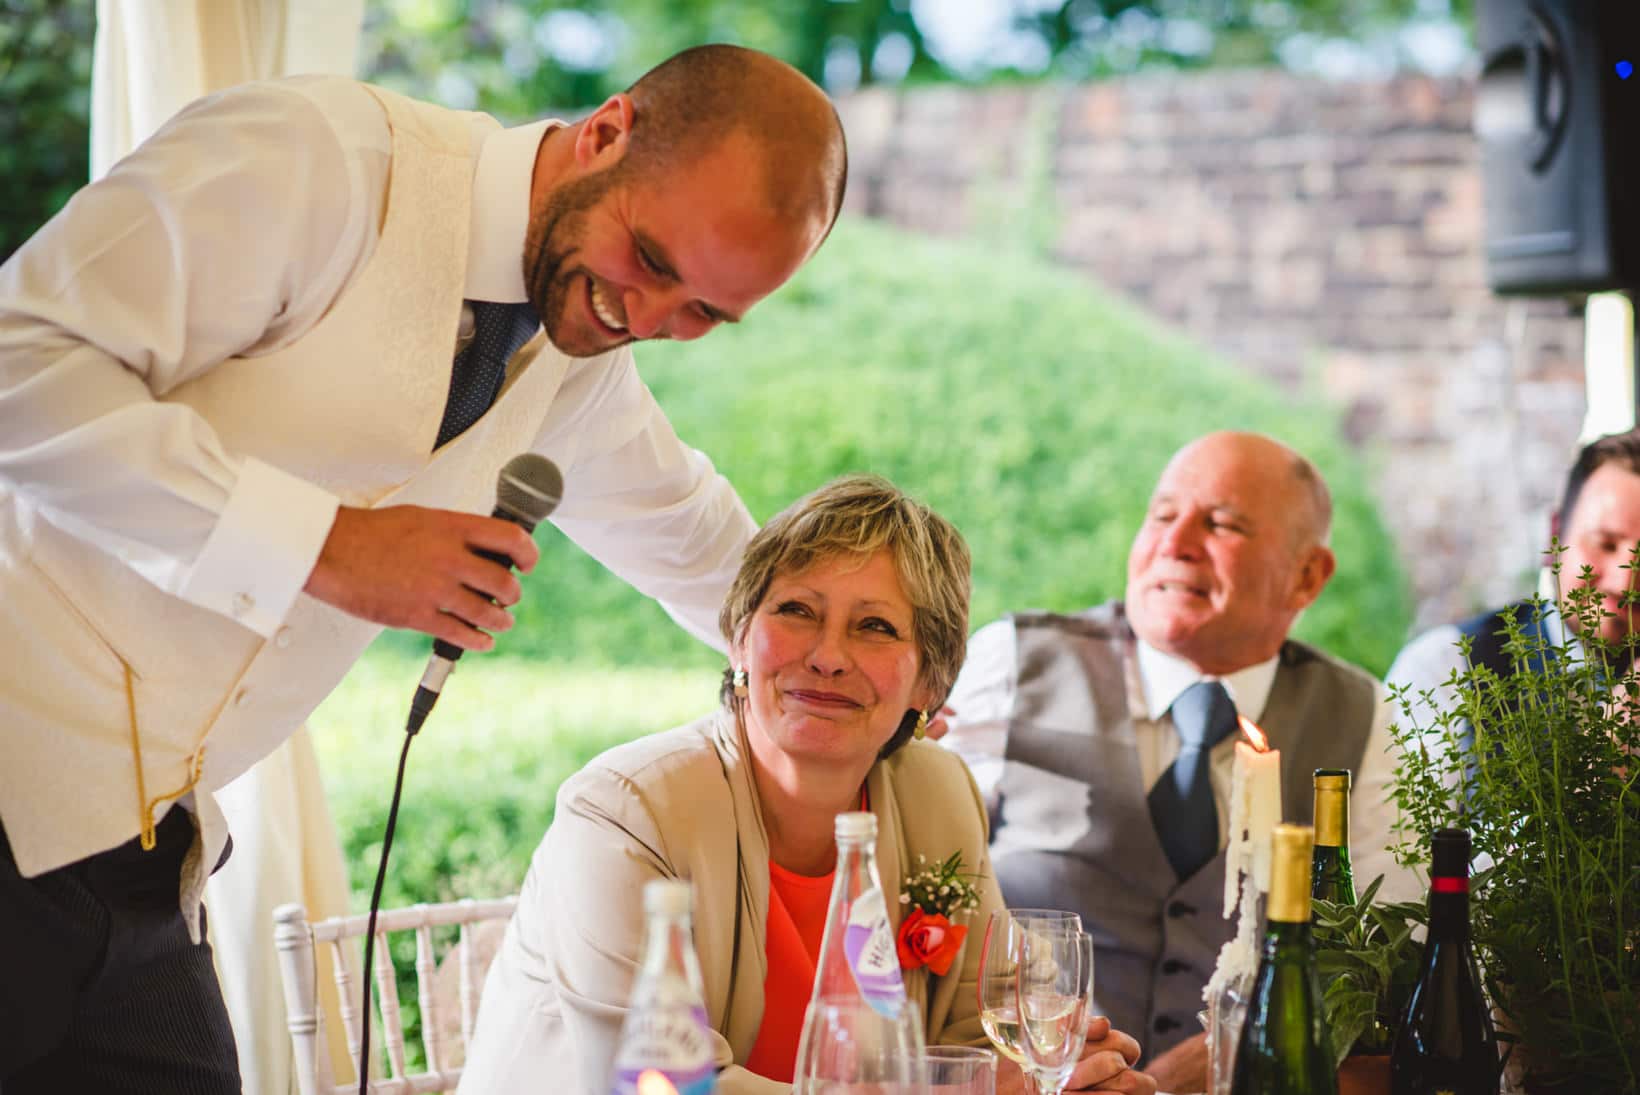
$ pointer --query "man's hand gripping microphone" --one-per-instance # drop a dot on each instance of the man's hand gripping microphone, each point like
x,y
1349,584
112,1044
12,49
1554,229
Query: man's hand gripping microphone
x,y
526,492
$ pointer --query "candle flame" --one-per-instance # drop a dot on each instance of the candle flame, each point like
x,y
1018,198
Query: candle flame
x,y
651,1082
1255,736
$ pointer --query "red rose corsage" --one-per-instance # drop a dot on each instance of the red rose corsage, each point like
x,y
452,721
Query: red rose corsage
x,y
938,895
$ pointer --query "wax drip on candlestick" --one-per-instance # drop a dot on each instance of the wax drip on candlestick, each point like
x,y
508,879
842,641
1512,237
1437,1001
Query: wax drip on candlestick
x,y
1255,809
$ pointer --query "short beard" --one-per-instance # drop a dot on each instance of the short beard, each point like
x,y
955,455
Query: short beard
x,y
553,236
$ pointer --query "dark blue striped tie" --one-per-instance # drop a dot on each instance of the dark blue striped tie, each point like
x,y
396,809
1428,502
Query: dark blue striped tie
x,y
1181,803
481,366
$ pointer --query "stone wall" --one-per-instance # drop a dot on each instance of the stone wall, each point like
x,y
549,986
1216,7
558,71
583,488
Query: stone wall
x,y
1328,236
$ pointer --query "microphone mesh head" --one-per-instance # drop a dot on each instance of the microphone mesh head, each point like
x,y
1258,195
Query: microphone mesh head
x,y
529,487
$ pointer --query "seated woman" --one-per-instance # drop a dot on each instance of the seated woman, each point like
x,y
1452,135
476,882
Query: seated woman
x,y
846,624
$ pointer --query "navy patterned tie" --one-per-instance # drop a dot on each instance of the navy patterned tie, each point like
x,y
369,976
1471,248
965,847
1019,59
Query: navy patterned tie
x,y
1181,803
475,380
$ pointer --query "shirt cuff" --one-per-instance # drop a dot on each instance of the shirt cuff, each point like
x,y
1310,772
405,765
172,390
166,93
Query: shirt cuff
x,y
264,545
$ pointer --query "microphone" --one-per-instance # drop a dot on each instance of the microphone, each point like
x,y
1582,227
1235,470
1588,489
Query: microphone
x,y
527,490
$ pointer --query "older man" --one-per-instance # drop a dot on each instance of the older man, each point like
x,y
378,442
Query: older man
x,y
1598,526
1106,738
255,387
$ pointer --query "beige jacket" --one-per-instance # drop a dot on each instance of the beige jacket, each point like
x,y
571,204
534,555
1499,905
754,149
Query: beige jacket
x,y
683,804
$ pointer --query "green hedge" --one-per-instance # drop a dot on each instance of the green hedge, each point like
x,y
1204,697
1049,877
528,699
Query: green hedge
x,y
1025,404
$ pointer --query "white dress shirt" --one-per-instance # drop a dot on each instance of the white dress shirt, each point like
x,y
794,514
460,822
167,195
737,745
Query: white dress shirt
x,y
258,237
983,700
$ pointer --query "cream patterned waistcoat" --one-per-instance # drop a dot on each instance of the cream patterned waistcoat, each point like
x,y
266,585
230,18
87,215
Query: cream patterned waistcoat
x,y
353,406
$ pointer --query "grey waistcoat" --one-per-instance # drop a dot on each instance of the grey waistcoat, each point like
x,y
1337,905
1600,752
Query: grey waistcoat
x,y
1073,830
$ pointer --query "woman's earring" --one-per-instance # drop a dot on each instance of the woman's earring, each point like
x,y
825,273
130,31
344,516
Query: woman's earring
x,y
921,728
739,680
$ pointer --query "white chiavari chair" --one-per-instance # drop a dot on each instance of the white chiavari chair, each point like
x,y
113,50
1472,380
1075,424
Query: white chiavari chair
x,y
296,939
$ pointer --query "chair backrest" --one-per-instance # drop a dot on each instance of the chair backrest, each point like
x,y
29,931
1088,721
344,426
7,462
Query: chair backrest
x,y
295,939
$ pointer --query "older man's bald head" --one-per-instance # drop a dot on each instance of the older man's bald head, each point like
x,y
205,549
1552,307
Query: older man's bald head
x,y
1276,467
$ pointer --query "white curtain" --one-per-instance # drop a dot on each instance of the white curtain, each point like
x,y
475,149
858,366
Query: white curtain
x,y
152,57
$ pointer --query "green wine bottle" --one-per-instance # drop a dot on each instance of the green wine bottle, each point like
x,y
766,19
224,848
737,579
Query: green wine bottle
x,y
1330,876
1283,1050
1445,1044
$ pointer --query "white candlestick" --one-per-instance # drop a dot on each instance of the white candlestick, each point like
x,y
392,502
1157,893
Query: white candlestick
x,y
1263,791
1255,808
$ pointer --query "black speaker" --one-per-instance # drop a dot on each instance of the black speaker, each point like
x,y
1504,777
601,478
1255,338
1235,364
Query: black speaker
x,y
1557,112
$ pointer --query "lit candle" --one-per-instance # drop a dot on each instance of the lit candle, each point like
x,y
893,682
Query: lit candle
x,y
1255,809
1263,782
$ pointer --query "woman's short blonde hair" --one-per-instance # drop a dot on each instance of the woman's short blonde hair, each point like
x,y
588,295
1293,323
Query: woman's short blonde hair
x,y
859,515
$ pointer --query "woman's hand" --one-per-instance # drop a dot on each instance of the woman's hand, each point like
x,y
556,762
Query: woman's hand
x,y
1107,1064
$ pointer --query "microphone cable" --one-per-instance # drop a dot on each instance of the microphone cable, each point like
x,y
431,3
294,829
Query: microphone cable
x,y
375,905
527,490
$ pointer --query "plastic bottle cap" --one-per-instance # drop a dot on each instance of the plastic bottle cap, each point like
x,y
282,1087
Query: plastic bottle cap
x,y
857,826
666,897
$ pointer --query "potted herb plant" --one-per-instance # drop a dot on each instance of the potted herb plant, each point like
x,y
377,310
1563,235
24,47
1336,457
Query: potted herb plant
x,y
1540,761
1368,962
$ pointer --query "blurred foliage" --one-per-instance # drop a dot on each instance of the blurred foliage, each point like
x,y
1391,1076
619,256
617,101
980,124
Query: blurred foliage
x,y
519,58
1025,404
45,111
479,786
1087,38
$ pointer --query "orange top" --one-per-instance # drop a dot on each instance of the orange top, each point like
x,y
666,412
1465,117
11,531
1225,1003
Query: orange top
x,y
797,923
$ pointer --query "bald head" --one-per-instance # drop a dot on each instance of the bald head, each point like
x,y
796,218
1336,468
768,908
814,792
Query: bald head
x,y
690,104
1262,463
1231,551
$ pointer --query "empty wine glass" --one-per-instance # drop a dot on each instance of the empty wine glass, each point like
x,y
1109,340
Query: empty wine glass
x,y
858,1050
1054,981
998,965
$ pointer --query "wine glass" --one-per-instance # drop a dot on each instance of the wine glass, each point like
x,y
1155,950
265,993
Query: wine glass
x,y
998,994
1054,981
850,1046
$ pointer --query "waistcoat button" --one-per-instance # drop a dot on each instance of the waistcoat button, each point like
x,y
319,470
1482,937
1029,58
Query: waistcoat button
x,y
1181,908
1165,1023
1173,965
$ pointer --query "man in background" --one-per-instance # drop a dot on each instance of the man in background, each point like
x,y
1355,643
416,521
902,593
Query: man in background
x,y
255,387
1598,526
1105,739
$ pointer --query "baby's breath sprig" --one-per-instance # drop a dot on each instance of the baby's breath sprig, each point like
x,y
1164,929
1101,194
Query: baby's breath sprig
x,y
942,889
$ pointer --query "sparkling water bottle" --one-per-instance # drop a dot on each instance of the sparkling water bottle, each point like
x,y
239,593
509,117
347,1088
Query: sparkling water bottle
x,y
666,1034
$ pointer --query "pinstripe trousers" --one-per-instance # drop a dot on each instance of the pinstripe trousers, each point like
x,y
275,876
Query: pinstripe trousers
x,y
101,990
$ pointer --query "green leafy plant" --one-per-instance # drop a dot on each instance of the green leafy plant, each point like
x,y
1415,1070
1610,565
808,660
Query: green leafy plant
x,y
1368,961
1547,789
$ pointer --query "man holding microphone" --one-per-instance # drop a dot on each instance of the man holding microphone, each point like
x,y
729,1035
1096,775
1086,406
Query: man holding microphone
x,y
255,385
